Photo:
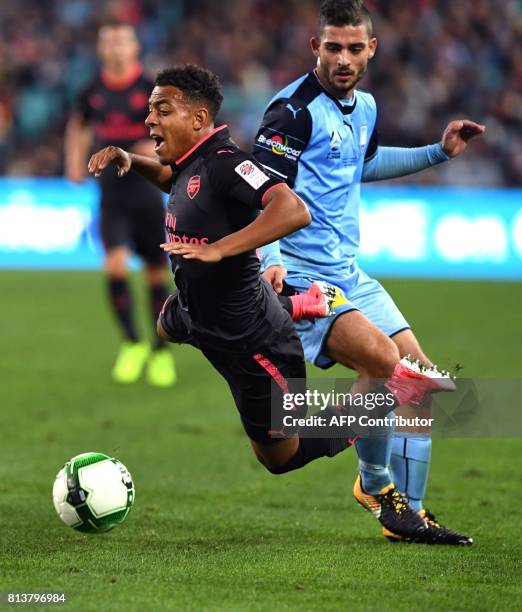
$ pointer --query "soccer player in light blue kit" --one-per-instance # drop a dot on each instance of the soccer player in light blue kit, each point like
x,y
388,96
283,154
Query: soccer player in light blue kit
x,y
319,135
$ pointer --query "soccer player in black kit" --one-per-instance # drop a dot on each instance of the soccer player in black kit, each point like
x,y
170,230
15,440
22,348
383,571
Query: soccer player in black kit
x,y
111,110
222,305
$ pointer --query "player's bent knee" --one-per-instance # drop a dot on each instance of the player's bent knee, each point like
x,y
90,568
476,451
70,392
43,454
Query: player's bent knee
x,y
383,359
278,470
276,458
270,465
274,467
161,332
386,364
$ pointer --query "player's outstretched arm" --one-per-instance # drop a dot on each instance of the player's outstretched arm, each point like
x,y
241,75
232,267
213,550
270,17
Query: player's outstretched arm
x,y
147,167
392,162
457,135
284,213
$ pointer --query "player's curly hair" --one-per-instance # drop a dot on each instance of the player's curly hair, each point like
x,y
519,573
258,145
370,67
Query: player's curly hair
x,y
344,12
197,85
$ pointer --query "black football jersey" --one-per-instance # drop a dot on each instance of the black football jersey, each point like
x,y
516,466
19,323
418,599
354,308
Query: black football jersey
x,y
116,111
218,189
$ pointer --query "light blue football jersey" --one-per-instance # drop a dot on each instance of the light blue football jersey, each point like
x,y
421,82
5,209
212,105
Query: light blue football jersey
x,y
318,146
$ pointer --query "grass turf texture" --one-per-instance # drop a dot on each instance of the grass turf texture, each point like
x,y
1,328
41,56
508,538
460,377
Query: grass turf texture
x,y
210,528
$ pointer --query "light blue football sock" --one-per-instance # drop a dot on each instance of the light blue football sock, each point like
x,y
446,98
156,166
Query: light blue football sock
x,y
374,459
410,466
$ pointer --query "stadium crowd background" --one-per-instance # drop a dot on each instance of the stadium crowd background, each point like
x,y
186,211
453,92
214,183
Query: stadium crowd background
x,y
438,59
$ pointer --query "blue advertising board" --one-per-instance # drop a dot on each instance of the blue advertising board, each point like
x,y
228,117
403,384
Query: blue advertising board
x,y
424,232
442,232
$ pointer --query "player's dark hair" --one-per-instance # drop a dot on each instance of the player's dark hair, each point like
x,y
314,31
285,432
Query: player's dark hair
x,y
115,23
344,12
197,85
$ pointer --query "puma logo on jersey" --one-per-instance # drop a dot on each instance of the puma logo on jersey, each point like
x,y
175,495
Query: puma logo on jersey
x,y
293,110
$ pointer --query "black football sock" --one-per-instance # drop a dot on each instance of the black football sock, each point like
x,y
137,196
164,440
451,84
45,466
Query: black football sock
x,y
158,295
310,449
121,301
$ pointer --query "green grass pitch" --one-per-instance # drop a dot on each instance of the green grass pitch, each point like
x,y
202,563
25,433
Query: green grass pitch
x,y
211,530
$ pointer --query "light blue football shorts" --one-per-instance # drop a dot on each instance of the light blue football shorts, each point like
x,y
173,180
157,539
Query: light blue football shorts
x,y
364,294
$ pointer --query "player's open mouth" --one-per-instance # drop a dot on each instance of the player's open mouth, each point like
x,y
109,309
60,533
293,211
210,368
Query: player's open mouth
x,y
158,141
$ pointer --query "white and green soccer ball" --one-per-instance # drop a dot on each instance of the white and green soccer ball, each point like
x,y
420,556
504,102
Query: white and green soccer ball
x,y
93,492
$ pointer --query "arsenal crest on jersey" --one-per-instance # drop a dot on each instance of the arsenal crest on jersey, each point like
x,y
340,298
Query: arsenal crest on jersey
x,y
193,186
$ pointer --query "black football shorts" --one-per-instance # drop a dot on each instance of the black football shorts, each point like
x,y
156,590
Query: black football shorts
x,y
138,223
260,379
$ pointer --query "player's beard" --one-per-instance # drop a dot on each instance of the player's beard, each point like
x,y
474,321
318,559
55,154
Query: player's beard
x,y
341,92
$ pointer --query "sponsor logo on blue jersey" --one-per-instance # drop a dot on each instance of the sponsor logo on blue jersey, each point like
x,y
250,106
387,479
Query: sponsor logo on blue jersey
x,y
279,144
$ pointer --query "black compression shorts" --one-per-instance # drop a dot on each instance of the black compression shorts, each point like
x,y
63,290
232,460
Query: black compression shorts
x,y
258,378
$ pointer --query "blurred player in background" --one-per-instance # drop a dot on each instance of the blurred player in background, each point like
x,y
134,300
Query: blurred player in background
x,y
319,136
112,110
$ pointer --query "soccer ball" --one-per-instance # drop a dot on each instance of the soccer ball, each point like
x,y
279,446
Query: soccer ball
x,y
93,492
